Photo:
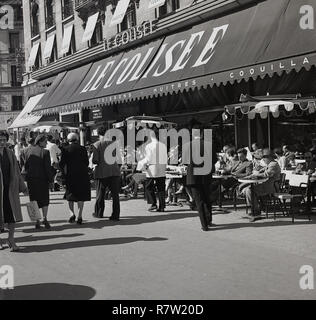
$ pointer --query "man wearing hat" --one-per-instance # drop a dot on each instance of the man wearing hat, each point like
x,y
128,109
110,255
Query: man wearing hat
x,y
270,170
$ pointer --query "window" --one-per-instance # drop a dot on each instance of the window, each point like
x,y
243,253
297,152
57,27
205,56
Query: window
x,y
97,36
4,79
38,61
14,39
49,13
129,19
72,47
54,56
68,8
168,7
34,20
18,13
17,103
15,79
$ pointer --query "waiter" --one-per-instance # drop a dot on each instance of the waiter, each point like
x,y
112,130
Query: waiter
x,y
155,164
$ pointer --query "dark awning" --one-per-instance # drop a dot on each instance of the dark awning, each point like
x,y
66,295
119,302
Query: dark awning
x,y
255,42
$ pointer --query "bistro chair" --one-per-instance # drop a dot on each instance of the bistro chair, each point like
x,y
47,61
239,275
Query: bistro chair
x,y
237,195
269,203
296,197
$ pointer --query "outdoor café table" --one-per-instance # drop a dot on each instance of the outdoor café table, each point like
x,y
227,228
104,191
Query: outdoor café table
x,y
175,176
220,178
253,182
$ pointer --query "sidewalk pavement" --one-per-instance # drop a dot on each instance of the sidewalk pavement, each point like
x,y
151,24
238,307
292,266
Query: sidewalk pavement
x,y
160,256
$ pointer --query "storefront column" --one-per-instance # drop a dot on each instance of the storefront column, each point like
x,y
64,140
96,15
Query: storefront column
x,y
236,131
269,130
249,132
81,128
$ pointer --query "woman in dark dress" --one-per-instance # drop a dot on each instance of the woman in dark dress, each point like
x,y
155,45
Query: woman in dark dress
x,y
74,164
11,184
39,175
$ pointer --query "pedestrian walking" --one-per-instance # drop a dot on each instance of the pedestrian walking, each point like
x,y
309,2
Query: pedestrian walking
x,y
39,175
106,175
74,165
200,184
11,184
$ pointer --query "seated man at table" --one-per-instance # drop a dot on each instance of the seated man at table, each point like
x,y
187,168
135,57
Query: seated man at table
x,y
272,171
238,169
309,166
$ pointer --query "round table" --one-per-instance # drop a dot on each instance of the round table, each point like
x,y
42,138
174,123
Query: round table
x,y
174,175
252,183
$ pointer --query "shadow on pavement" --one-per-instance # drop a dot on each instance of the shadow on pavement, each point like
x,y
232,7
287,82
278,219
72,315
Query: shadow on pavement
x,y
133,220
86,244
42,238
261,224
48,291
30,223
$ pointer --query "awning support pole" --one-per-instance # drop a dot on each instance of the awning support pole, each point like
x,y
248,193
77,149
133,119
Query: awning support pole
x,y
269,130
236,131
81,131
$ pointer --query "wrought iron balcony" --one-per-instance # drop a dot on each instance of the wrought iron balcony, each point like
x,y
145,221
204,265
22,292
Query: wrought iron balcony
x,y
86,7
80,4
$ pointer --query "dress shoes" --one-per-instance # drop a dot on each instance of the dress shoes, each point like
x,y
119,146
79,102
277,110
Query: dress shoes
x,y
153,208
254,218
114,219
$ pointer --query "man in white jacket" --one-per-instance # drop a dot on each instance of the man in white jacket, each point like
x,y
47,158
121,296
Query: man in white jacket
x,y
155,164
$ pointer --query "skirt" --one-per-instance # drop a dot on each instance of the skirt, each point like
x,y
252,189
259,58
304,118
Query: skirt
x,y
78,191
39,191
7,210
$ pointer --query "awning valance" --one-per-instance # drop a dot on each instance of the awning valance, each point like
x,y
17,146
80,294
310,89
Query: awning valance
x,y
26,118
274,107
259,41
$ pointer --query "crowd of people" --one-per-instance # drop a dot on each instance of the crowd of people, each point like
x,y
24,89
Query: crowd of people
x,y
42,164
262,163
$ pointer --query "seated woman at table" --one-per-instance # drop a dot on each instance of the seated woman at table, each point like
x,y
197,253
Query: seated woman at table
x,y
272,171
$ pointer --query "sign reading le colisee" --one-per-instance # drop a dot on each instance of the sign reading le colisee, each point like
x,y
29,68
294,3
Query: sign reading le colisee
x,y
130,35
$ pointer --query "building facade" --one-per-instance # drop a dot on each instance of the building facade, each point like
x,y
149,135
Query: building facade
x,y
11,61
62,35
107,60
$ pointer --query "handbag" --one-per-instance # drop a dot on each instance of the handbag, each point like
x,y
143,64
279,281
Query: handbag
x,y
33,211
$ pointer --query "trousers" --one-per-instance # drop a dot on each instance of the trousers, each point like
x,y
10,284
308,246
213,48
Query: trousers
x,y
114,185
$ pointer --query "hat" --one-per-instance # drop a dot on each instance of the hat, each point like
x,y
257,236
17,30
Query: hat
x,y
258,154
72,137
267,153
39,138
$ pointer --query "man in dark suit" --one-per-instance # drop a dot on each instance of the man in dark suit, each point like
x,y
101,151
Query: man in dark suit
x,y
271,170
106,175
240,169
200,184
